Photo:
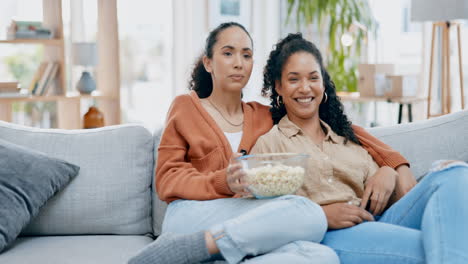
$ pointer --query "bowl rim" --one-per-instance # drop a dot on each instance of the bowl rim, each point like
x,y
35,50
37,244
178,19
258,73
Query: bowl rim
x,y
288,155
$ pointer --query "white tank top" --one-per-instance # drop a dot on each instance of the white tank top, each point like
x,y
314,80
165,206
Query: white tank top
x,y
234,139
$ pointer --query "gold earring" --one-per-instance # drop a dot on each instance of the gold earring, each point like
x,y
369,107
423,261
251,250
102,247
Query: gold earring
x,y
279,100
326,97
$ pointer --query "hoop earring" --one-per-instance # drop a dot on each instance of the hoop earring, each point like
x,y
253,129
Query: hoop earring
x,y
279,100
326,97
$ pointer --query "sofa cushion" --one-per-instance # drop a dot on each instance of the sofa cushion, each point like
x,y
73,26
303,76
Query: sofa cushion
x,y
112,193
27,180
424,142
74,249
159,207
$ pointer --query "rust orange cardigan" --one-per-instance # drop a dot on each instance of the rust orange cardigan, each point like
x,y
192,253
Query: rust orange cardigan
x,y
194,153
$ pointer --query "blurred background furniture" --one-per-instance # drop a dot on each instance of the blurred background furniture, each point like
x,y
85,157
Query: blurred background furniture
x,y
401,101
442,14
85,54
68,102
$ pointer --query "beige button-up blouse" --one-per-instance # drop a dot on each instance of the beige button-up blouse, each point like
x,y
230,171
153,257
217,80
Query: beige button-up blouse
x,y
337,173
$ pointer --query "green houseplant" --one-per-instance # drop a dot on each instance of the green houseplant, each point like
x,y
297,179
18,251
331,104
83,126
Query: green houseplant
x,y
346,22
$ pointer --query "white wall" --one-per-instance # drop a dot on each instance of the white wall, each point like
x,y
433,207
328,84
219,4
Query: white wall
x,y
189,32
265,33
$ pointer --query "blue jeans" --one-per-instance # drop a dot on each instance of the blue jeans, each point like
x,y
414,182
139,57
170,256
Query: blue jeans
x,y
286,229
428,225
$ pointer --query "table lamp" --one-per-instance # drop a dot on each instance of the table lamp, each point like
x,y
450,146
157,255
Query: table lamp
x,y
442,14
85,54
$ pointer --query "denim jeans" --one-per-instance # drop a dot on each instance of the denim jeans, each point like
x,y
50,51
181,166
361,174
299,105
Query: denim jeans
x,y
286,229
428,225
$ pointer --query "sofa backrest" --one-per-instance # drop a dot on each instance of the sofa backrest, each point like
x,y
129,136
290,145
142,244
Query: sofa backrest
x,y
423,142
112,192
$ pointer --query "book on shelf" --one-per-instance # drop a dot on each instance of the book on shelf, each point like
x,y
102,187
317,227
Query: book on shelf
x,y
50,81
35,80
9,87
28,30
44,79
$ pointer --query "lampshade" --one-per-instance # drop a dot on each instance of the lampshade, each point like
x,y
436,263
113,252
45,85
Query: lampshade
x,y
438,10
85,54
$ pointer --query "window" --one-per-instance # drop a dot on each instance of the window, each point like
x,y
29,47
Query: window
x,y
145,32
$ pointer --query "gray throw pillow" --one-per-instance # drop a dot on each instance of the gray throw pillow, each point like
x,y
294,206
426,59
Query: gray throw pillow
x,y
27,180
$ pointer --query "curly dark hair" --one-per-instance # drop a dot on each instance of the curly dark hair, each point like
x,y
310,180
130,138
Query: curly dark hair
x,y
201,81
331,111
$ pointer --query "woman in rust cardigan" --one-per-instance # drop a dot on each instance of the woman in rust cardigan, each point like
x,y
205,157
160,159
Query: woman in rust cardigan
x,y
204,131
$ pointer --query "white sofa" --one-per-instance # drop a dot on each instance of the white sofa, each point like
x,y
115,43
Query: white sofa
x,y
110,210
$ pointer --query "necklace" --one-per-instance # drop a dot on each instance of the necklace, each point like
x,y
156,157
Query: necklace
x,y
225,119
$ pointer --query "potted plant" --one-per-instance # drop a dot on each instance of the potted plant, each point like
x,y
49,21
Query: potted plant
x,y
347,22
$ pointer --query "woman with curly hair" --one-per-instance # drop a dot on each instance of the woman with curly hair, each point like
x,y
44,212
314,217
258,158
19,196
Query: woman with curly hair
x,y
421,227
195,177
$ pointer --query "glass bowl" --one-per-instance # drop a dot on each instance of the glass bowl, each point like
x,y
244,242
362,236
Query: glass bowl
x,y
274,174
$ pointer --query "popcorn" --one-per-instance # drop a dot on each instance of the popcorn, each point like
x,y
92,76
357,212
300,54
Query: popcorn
x,y
274,180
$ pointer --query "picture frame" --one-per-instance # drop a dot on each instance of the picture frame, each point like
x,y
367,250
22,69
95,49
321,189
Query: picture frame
x,y
221,11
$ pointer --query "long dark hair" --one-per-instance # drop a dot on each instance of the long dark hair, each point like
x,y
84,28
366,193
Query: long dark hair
x,y
331,111
201,81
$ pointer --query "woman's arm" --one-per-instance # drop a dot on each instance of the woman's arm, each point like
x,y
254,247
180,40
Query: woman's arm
x,y
344,215
176,176
404,183
383,154
178,179
377,188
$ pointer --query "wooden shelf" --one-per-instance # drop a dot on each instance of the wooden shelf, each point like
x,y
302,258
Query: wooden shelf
x,y
93,95
33,98
356,97
52,98
52,42
69,104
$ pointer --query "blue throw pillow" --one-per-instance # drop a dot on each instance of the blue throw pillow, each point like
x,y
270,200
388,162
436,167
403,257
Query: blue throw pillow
x,y
27,180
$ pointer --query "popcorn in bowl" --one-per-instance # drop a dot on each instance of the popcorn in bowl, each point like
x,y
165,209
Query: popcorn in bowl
x,y
270,175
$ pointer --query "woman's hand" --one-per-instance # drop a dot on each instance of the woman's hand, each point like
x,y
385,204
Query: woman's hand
x,y
405,181
343,215
235,177
378,189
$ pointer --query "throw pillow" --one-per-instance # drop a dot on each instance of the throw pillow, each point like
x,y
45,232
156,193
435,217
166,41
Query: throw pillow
x,y
27,180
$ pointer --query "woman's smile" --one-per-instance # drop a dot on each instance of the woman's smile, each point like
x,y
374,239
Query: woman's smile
x,y
305,101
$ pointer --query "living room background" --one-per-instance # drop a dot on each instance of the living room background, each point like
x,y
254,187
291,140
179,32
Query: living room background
x,y
159,41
